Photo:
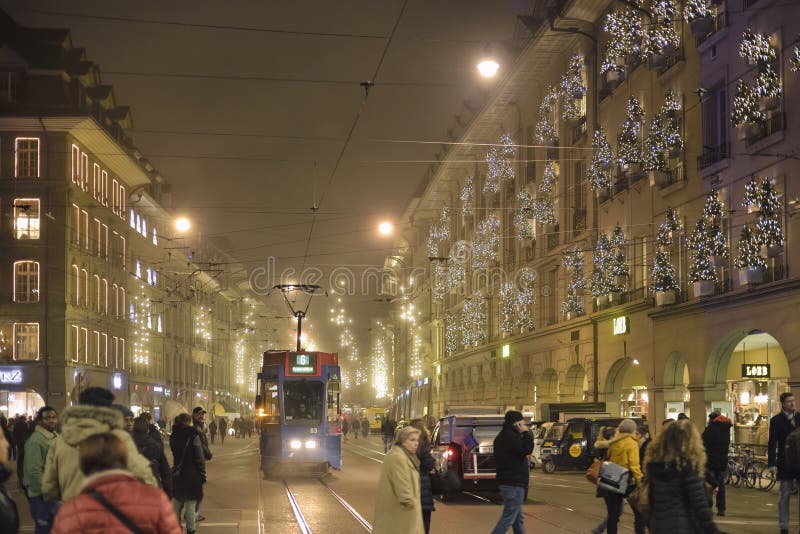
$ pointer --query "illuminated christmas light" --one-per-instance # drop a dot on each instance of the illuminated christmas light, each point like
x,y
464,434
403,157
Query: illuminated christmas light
x,y
546,131
629,147
625,29
500,164
473,321
599,175
572,259
486,242
467,197
523,216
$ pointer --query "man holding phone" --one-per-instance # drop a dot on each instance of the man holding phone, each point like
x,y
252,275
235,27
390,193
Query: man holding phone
x,y
511,449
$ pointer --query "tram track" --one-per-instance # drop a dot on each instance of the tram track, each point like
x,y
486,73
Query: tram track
x,y
311,495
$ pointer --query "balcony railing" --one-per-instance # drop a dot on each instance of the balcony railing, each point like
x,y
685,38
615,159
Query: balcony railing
x,y
711,155
773,124
720,21
672,176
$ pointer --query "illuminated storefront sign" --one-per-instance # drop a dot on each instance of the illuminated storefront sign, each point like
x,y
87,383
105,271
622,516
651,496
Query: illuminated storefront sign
x,y
116,381
10,375
620,325
756,370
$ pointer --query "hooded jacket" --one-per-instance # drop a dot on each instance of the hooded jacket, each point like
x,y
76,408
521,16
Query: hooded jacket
x,y
511,449
678,501
148,508
34,459
63,479
190,462
623,449
159,464
717,441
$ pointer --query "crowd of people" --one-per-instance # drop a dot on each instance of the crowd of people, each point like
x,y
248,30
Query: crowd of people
x,y
352,425
96,467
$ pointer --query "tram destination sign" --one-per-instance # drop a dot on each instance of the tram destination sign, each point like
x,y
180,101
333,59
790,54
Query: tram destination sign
x,y
756,370
303,364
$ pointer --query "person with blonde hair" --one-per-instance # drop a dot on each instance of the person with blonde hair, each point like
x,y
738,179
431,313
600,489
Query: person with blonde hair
x,y
397,506
675,464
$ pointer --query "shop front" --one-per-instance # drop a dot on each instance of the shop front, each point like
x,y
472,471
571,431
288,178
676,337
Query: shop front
x,y
21,389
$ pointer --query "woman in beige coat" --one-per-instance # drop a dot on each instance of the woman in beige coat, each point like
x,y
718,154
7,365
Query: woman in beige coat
x,y
397,507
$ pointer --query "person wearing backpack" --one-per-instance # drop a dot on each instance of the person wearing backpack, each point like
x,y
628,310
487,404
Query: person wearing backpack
x,y
784,437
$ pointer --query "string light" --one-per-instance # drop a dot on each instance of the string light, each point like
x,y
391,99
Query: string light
x,y
545,130
523,217
467,197
619,263
508,305
756,48
439,233
451,333
663,273
625,28
543,206
629,149
599,281
665,135
749,256
572,259
696,9
572,90
599,175
526,298
745,105
661,37
712,211
473,321
486,242
500,163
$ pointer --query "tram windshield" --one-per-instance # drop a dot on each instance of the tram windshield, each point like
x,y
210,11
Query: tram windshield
x,y
303,402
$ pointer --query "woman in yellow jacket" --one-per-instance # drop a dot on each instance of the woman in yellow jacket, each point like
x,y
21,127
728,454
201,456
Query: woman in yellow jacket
x,y
623,449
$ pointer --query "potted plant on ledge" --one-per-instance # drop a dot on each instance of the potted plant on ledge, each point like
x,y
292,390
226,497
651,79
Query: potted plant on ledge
x,y
749,261
702,273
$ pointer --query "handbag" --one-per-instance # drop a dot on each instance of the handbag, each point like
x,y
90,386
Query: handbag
x,y
614,478
639,499
125,520
593,473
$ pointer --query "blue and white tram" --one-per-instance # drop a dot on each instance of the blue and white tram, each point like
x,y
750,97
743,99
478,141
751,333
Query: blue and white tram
x,y
299,405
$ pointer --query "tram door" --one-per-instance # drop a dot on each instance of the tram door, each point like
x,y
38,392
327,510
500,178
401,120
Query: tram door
x,y
333,410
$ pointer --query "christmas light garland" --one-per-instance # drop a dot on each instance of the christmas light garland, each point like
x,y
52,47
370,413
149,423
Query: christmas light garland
x,y
625,28
749,256
572,259
486,242
467,197
762,195
508,305
663,275
452,330
756,48
526,297
745,105
629,148
572,90
701,268
712,211
696,9
500,164
543,209
523,217
600,279
473,321
545,130
794,59
768,83
661,36
599,175
441,281
619,263
664,134
439,233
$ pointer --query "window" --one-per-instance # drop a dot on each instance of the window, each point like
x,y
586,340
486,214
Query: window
x,y
97,240
76,164
84,287
85,172
26,218
159,326
132,312
715,126
115,298
26,157
104,307
83,352
115,197
149,276
122,202
96,346
155,236
77,289
115,350
103,357
26,341
96,294
121,352
104,188
96,187
85,229
122,251
9,80
133,220
26,281
76,223
138,269
144,227
74,342
121,302
104,241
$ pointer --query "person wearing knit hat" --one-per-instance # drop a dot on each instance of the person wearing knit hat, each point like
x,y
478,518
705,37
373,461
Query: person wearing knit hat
x,y
623,449
511,449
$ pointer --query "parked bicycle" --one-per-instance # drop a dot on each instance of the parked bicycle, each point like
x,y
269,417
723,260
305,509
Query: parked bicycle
x,y
745,468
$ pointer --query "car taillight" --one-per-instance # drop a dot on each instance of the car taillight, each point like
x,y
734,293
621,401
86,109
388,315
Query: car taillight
x,y
449,453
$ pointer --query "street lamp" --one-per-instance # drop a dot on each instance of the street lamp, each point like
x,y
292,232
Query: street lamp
x,y
488,68
385,228
182,224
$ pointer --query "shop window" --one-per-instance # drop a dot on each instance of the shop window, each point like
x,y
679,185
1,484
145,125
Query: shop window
x,y
26,218
26,281
26,341
26,157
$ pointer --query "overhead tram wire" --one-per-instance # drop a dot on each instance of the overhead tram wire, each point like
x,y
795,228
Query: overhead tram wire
x,y
318,204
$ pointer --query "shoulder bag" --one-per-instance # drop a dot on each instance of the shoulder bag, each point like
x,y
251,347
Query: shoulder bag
x,y
614,478
176,469
130,525
593,473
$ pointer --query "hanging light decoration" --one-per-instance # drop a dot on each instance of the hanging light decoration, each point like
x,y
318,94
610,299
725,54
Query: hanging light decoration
x,y
486,242
526,297
599,175
543,209
545,130
523,217
467,197
500,164
508,305
452,331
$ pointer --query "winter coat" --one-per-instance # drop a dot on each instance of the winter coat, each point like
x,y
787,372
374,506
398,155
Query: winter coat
x,y
623,449
388,427
188,486
201,431
154,452
9,518
63,479
779,428
397,504
678,501
34,459
426,465
717,441
146,507
511,449
223,426
212,428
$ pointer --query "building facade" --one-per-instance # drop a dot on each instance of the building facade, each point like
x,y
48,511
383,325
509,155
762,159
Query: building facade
x,y
626,234
98,287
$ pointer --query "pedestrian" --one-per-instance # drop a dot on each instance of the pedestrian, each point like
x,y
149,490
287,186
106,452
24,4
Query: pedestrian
x,y
198,421
511,449
398,502
623,450
717,441
20,434
62,478
154,452
387,432
345,428
427,467
356,427
601,453
223,430
112,501
189,471
675,464
33,467
212,430
780,426
9,518
153,429
127,417
365,427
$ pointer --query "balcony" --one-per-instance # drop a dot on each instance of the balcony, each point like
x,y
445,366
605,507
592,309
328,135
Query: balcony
x,y
712,155
772,125
720,22
671,177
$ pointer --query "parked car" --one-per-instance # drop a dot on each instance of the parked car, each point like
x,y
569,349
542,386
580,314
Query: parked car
x,y
463,447
539,430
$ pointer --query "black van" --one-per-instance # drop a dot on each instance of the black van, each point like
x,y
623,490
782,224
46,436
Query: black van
x,y
570,445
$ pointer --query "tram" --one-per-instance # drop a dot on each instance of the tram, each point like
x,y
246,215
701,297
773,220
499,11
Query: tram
x,y
299,407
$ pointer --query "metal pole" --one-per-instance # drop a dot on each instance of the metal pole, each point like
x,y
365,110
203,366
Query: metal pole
x,y
299,329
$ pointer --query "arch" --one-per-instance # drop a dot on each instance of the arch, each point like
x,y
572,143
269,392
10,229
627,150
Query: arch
x,y
547,384
616,374
573,381
674,369
720,357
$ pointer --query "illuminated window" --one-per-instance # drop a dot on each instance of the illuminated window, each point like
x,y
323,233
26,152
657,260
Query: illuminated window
x,y
104,308
96,346
121,301
97,239
115,297
76,164
76,274
85,229
103,359
144,227
138,269
104,241
26,157
26,218
115,197
26,281
133,220
85,172
74,342
83,354
115,350
96,294
149,276
155,236
124,255
104,188
159,326
85,287
26,341
132,313
96,187
76,223
121,353
122,202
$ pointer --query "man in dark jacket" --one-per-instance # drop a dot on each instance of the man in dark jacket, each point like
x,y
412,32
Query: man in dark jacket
x,y
154,452
717,441
190,464
511,449
199,423
780,426
387,431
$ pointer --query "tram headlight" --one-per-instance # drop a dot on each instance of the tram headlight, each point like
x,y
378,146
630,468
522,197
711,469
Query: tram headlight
x,y
295,444
311,444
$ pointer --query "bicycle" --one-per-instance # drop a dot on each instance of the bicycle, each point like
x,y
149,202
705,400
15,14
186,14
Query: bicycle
x,y
744,467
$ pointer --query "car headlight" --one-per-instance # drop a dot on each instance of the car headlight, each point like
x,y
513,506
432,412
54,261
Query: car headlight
x,y
295,444
311,444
